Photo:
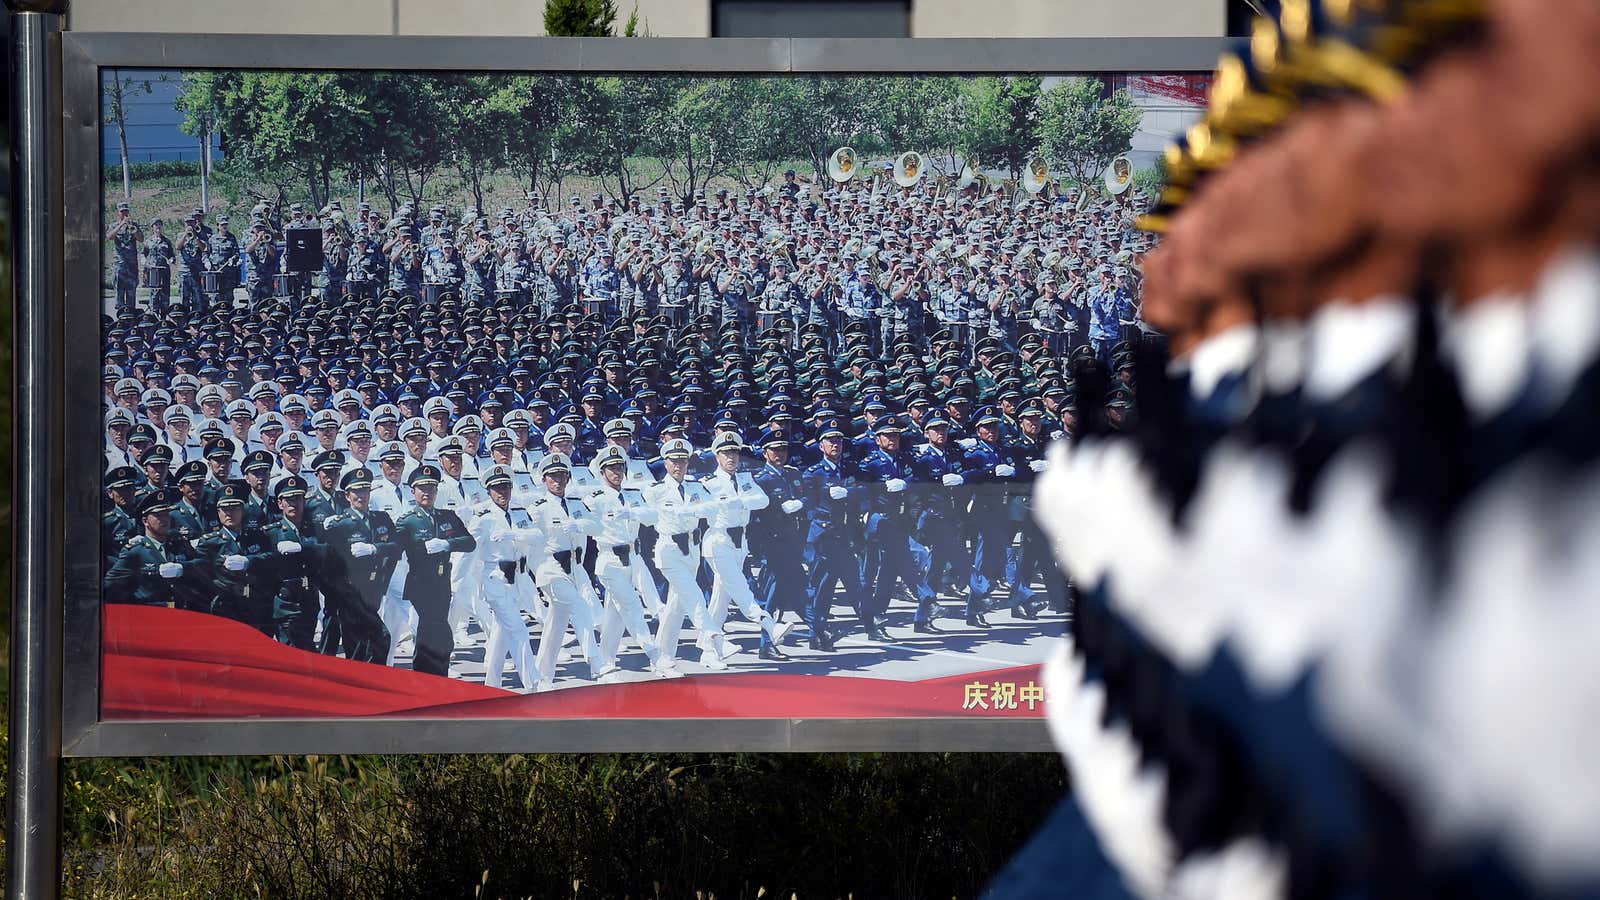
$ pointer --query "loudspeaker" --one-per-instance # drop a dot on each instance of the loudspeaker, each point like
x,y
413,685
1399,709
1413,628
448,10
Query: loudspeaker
x,y
303,249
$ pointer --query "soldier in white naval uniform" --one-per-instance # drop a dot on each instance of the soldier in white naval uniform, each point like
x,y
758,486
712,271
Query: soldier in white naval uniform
x,y
506,536
618,564
734,495
566,525
679,503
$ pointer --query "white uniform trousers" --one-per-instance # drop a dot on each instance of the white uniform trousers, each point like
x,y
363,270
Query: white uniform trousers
x,y
624,609
567,607
728,582
508,634
683,593
398,615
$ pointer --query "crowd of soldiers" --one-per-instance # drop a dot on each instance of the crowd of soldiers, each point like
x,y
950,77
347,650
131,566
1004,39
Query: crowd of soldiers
x,y
611,420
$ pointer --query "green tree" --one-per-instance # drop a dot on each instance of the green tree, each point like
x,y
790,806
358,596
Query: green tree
x,y
295,128
919,113
766,141
115,91
698,129
581,18
1082,129
607,130
1002,121
828,113
533,108
474,127
198,96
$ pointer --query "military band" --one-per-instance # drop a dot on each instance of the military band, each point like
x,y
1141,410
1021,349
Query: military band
x,y
572,434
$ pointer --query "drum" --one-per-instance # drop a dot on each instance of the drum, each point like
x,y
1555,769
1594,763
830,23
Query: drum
x,y
512,297
155,277
433,293
144,278
596,306
283,285
766,321
211,282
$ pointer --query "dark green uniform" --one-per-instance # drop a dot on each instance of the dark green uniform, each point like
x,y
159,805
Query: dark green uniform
x,y
117,526
189,523
354,600
296,605
246,596
428,581
136,577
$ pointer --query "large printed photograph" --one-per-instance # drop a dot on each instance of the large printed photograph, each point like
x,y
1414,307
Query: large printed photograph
x,y
482,395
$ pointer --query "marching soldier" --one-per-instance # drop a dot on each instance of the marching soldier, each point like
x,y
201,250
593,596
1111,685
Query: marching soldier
x,y
566,525
734,496
940,461
620,510
119,523
242,562
296,606
777,541
156,567
428,536
189,518
679,505
889,522
506,539
831,546
363,540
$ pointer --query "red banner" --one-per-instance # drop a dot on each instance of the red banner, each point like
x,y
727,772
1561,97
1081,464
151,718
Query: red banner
x,y
162,663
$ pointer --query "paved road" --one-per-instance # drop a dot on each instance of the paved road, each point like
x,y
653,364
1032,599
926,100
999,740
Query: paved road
x,y
1012,641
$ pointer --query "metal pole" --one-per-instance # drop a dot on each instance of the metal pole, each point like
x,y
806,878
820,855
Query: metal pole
x,y
35,790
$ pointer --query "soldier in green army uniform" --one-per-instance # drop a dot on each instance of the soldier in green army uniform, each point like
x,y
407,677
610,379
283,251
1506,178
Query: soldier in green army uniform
x,y
241,561
428,536
118,524
258,507
324,500
363,539
219,458
296,605
189,519
157,462
156,567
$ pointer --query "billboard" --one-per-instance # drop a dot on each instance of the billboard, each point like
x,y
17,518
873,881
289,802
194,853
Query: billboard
x,y
618,409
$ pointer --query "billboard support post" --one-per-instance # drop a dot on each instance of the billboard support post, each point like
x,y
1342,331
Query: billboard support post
x,y
35,798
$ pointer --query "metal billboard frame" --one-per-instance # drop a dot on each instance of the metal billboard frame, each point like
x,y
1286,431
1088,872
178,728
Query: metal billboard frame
x,y
71,514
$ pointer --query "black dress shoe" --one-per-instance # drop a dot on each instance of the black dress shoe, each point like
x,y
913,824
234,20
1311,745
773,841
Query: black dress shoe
x,y
773,654
1025,611
927,628
821,643
875,632
976,621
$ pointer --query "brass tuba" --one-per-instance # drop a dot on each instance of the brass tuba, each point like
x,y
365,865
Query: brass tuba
x,y
842,164
1119,175
1036,175
908,168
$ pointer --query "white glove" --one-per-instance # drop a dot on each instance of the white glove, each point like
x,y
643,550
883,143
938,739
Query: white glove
x,y
895,485
288,547
497,576
233,562
793,506
436,545
838,492
1004,471
568,528
500,534
327,519
361,549
171,570
953,480
1037,465
1057,435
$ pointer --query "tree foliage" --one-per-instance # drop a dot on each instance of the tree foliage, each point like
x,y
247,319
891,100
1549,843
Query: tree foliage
x,y
581,18
407,132
1082,128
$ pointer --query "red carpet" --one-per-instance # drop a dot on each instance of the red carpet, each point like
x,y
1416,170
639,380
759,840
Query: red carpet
x,y
161,663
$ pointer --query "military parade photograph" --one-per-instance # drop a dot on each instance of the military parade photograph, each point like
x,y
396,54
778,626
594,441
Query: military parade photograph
x,y
426,391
